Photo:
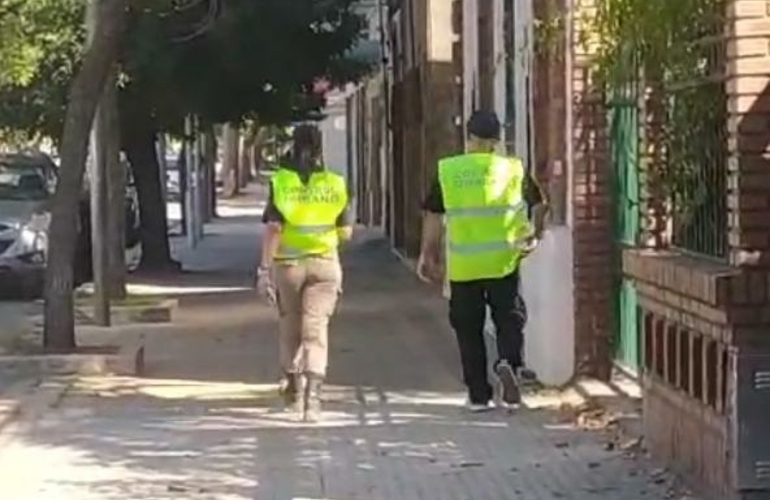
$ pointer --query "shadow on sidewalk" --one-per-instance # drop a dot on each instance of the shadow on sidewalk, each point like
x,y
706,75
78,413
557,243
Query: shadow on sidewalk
x,y
205,421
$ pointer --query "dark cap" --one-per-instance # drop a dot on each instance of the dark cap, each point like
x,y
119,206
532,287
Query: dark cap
x,y
484,125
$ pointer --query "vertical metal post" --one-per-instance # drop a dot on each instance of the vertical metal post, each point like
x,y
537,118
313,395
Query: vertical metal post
x,y
198,179
190,194
116,172
98,192
163,166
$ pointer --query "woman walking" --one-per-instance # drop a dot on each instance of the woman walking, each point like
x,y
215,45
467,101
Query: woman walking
x,y
306,219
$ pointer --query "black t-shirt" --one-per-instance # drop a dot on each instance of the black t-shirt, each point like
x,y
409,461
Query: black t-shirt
x,y
272,214
434,202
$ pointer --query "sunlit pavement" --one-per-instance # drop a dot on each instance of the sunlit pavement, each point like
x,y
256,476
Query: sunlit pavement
x,y
206,424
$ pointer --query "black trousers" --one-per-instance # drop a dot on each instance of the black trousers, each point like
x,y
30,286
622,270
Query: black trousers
x,y
467,315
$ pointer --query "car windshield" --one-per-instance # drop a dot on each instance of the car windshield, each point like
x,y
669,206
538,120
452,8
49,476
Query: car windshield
x,y
21,182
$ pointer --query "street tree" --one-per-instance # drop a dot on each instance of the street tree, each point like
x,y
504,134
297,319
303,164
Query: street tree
x,y
258,60
245,60
85,93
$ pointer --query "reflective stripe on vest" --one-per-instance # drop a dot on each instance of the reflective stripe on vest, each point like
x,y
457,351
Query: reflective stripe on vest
x,y
487,221
481,211
315,229
310,211
492,246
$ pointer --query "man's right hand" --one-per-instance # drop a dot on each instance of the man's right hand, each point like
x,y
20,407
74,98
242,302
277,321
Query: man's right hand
x,y
530,245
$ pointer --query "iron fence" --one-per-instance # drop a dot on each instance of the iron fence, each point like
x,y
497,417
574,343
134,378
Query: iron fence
x,y
695,138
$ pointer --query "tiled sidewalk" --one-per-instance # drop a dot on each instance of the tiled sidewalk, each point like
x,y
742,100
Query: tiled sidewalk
x,y
204,424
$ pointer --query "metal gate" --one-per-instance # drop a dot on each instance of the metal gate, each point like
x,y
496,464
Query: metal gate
x,y
624,144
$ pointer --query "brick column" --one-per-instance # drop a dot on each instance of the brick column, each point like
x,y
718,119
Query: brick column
x,y
595,250
748,52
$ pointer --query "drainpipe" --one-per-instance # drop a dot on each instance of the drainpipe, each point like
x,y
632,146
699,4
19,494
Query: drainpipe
x,y
569,118
388,123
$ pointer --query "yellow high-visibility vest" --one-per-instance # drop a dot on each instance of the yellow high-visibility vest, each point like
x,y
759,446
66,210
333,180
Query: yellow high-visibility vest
x,y
310,211
487,220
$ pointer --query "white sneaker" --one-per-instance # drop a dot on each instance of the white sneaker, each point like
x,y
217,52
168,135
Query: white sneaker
x,y
478,407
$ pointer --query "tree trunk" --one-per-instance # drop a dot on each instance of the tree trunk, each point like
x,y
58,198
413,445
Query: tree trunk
x,y
231,140
246,162
84,96
259,145
139,134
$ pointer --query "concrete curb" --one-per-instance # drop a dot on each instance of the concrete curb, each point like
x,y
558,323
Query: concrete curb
x,y
157,312
127,360
162,311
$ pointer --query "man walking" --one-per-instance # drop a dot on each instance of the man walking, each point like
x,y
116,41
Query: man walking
x,y
485,198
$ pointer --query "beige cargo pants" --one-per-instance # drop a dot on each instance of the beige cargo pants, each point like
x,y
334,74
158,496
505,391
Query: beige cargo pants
x,y
308,291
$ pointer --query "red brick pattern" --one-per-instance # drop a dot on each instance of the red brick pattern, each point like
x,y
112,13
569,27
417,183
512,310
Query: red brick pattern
x,y
712,310
749,146
594,246
595,249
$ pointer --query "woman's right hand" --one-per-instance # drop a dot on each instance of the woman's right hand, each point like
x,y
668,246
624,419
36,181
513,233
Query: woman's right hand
x,y
265,285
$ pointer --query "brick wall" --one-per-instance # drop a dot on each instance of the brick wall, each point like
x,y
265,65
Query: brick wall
x,y
595,251
704,320
689,314
749,110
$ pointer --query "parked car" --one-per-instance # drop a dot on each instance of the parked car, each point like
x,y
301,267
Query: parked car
x,y
27,184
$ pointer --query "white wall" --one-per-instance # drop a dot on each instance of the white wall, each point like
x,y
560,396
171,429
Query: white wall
x,y
335,143
547,281
547,275
470,58
500,63
355,168
333,130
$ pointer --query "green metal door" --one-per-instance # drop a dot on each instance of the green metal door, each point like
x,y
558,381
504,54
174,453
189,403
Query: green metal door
x,y
624,121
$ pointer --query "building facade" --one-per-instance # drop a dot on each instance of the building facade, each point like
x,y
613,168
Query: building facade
x,y
656,259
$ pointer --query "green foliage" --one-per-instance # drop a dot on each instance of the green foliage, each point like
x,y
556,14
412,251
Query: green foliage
x,y
40,44
669,39
256,58
673,51
259,58
549,30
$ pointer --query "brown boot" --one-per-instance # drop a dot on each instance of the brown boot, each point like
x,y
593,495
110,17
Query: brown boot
x,y
292,393
313,398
